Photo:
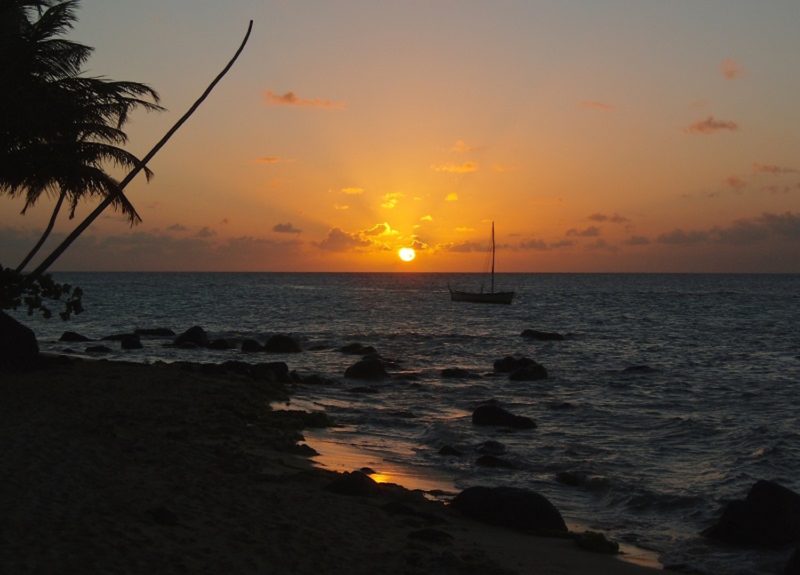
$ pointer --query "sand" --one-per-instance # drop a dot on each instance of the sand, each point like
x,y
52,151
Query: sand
x,y
112,467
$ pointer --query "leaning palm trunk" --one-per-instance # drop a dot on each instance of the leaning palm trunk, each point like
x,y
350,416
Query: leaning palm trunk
x,y
45,234
48,261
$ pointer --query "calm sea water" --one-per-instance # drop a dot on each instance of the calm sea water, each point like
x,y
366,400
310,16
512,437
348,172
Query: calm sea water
x,y
663,449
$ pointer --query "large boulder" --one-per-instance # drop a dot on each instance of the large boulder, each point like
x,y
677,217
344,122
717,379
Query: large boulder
x,y
491,414
531,372
768,517
18,346
510,507
195,336
367,369
282,344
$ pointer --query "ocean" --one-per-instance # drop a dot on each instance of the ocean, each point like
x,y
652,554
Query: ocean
x,y
657,450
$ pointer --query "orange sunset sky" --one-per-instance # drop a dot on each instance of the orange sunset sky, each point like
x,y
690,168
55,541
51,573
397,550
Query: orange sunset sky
x,y
600,136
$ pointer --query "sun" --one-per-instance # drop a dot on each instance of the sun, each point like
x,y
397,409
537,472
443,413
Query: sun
x,y
406,254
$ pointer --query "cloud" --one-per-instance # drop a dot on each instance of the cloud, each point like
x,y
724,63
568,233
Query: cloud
x,y
637,241
340,241
461,147
464,229
541,245
177,228
772,169
601,244
783,227
680,237
426,218
286,228
613,218
419,245
735,183
462,247
594,105
590,232
383,229
206,232
451,197
731,69
711,126
271,160
292,99
465,168
352,191
341,207
390,200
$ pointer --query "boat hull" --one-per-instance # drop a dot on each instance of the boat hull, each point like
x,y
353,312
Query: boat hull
x,y
503,297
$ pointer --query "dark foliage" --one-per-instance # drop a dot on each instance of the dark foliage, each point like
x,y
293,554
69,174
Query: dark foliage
x,y
37,295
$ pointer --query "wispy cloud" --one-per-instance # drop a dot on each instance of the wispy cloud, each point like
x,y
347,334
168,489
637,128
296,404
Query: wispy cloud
x,y
590,232
426,218
341,241
390,200
451,197
206,232
613,218
637,241
711,126
461,147
352,191
286,228
735,183
465,168
177,228
341,207
772,169
272,160
731,69
595,105
383,229
785,226
292,99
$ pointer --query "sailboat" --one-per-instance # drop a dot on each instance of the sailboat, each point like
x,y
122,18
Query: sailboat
x,y
482,296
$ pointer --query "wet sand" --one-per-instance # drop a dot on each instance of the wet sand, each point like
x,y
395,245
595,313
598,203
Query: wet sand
x,y
111,467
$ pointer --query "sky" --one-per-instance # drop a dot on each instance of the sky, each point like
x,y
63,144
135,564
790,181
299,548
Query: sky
x,y
599,136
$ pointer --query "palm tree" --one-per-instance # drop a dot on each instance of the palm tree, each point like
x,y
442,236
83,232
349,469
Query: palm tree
x,y
65,128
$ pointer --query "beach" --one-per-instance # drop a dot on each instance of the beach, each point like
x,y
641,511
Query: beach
x,y
116,467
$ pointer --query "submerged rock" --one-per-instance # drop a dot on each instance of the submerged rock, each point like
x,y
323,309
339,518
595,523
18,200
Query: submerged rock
x,y
494,461
768,517
98,349
155,332
458,373
494,415
251,346
541,335
510,507
491,447
130,341
72,336
367,369
282,344
195,336
530,372
450,450
356,348
18,346
221,344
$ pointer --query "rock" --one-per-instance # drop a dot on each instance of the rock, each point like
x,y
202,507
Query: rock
x,y
494,461
220,344
116,337
357,349
542,335
130,341
793,566
494,415
18,346
491,447
353,483
530,372
596,543
457,373
155,332
98,349
367,369
768,517
72,336
431,535
271,371
282,344
251,346
193,337
511,363
571,478
510,507
450,450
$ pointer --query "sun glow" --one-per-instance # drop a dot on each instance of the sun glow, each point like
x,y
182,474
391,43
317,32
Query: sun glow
x,y
406,254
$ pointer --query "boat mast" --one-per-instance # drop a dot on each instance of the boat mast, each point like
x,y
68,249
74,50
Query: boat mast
x,y
492,257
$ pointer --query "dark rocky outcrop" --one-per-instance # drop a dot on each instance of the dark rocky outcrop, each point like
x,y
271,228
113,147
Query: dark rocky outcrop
x,y
491,447
357,349
154,332
130,341
491,414
372,369
251,346
793,566
117,336
542,335
768,517
282,344
520,368
18,346
72,336
195,336
221,344
271,371
450,450
596,543
510,507
353,483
